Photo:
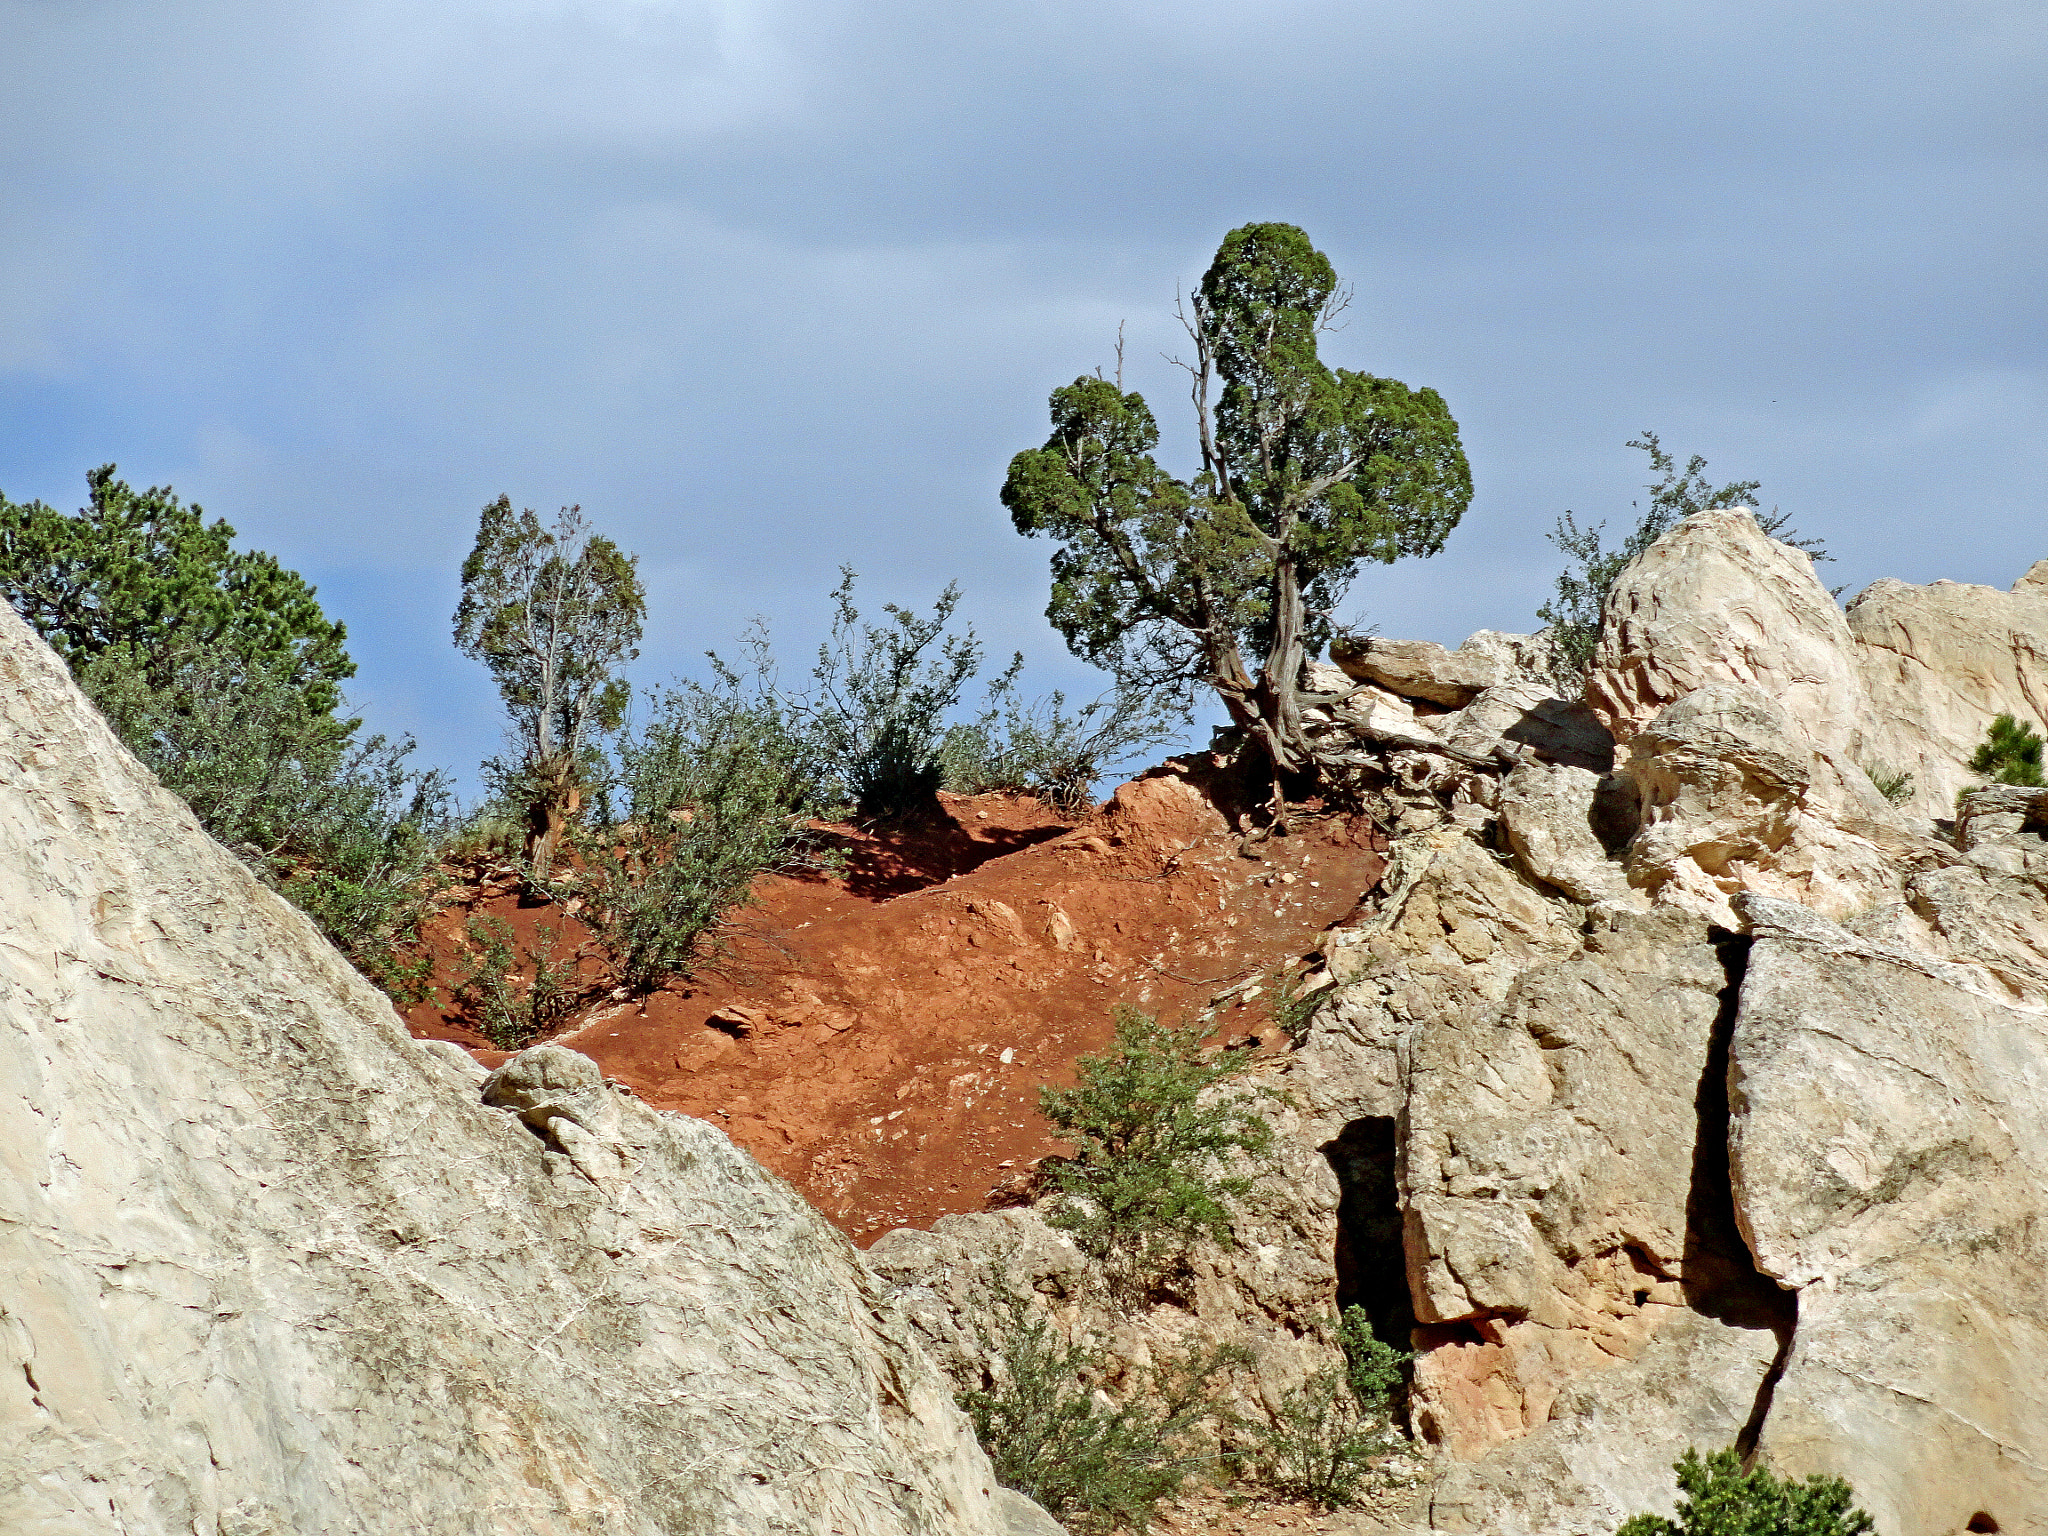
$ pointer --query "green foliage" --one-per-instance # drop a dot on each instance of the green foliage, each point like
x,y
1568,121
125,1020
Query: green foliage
x,y
2009,754
1329,1434
1895,784
1039,748
1150,1140
139,574
1292,1008
1582,587
1096,1463
714,791
553,612
1723,1500
1307,472
515,992
217,668
880,695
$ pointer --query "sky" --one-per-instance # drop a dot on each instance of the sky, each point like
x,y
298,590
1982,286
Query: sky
x,y
767,288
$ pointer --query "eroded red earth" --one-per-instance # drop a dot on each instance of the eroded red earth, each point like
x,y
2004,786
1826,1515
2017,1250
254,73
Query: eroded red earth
x,y
878,1038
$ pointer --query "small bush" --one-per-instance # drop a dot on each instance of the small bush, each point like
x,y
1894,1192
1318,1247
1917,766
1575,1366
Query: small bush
x,y
880,695
1329,1435
714,792
513,1011
1723,1500
2010,754
1895,784
1150,1140
1095,1462
1040,749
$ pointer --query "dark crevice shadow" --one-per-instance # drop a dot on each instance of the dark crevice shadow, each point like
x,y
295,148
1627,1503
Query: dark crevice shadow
x,y
1371,1270
1721,1279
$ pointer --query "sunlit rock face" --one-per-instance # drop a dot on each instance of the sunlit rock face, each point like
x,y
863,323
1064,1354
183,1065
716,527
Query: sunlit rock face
x,y
1679,1087
267,1266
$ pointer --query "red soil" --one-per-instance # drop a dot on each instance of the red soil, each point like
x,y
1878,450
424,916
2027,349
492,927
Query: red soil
x,y
878,1038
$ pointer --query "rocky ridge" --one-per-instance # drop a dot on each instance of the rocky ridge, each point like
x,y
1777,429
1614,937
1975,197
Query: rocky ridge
x,y
1680,1088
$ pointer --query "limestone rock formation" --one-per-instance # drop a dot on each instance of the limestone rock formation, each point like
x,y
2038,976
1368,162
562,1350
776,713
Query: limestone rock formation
x,y
269,1267
1693,1093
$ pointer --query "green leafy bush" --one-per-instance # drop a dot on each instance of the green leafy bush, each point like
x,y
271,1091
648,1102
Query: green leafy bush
x,y
1039,748
714,791
2010,754
218,669
1582,587
337,824
516,993
1330,1434
1150,1142
1723,1500
1098,1463
875,715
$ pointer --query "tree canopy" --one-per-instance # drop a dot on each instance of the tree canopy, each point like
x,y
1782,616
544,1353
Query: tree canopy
x,y
145,575
1306,473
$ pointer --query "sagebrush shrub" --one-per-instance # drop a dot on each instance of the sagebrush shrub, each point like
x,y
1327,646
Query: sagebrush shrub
x,y
1097,1463
1151,1142
714,792
1329,1435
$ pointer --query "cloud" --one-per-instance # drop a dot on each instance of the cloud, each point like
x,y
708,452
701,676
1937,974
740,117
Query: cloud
x,y
770,286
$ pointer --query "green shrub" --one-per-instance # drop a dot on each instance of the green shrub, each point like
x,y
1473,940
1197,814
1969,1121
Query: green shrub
x,y
1723,1500
2010,754
1582,587
1095,1462
1150,1140
340,826
1895,784
875,715
714,791
1329,1435
513,1010
1040,749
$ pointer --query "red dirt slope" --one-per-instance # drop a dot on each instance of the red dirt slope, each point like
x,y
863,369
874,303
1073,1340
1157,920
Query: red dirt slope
x,y
878,1039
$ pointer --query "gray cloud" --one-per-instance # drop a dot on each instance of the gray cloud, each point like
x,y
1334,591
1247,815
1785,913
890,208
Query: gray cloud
x,y
767,287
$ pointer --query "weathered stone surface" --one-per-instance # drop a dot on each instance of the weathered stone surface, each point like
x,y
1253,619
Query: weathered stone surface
x,y
1419,669
1605,1451
1716,601
1734,797
1937,664
268,1266
1889,1151
1554,817
1551,1178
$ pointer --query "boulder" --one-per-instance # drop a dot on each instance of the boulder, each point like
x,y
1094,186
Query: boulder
x,y
1889,1149
1938,663
1554,817
1418,669
270,1266
1716,601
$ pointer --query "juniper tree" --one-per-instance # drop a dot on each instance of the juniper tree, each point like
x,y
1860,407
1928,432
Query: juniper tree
x,y
1228,579
553,612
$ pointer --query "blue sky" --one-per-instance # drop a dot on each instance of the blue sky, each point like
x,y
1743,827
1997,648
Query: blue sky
x,y
769,287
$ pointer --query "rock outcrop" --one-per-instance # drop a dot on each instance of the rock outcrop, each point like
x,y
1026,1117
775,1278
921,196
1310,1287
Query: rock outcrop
x,y
271,1267
1680,1086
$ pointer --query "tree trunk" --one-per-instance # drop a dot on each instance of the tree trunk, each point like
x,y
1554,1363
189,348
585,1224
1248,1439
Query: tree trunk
x,y
550,810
